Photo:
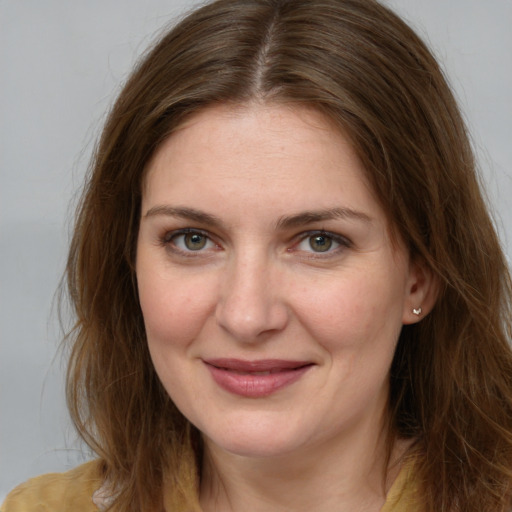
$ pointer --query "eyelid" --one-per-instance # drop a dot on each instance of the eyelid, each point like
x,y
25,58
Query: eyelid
x,y
167,241
343,241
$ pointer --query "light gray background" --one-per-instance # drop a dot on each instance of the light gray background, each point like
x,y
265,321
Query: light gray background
x,y
61,64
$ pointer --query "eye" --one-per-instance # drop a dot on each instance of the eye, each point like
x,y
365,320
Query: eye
x,y
194,241
321,242
188,241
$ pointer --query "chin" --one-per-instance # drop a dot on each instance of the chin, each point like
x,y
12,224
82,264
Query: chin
x,y
256,440
255,449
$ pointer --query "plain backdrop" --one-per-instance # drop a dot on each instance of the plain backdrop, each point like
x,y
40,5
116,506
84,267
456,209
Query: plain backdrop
x,y
61,65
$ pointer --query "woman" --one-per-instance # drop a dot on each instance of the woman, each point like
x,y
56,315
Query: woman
x,y
288,290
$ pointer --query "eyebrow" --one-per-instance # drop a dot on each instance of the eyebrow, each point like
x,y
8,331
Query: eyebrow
x,y
292,221
309,217
184,213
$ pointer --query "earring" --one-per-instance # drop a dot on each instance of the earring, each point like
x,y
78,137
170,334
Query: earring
x,y
417,312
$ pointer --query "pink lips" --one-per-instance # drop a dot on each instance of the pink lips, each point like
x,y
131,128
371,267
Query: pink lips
x,y
255,379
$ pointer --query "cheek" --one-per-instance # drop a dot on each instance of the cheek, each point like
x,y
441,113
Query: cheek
x,y
174,310
361,309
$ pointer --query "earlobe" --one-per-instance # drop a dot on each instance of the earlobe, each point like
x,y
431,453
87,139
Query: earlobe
x,y
421,292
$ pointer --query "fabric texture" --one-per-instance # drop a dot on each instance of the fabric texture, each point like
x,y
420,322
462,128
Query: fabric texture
x,y
71,491
403,495
82,490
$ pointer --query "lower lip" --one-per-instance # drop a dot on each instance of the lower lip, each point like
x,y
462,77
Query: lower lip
x,y
253,385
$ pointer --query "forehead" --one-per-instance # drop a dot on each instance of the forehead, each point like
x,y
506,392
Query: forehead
x,y
241,132
263,155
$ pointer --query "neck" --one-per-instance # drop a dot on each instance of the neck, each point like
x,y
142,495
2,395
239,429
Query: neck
x,y
351,474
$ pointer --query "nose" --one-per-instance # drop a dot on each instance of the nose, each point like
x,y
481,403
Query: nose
x,y
251,305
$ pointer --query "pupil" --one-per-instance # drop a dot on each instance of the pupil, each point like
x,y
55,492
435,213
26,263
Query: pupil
x,y
194,241
320,243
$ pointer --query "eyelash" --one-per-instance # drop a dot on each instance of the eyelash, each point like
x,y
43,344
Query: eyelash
x,y
169,242
341,241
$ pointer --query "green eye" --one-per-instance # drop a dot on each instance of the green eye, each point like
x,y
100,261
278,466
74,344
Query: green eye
x,y
320,243
188,241
194,241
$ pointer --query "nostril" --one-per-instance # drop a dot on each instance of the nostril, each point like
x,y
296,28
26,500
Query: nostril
x,y
248,320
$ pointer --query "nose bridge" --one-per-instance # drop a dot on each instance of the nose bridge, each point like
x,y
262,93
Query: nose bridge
x,y
250,303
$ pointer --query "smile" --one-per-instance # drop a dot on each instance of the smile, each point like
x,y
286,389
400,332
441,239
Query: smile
x,y
255,379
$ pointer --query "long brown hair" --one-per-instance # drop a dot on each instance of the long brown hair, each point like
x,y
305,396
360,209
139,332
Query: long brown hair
x,y
359,64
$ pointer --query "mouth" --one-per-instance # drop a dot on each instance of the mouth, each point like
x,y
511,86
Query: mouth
x,y
256,379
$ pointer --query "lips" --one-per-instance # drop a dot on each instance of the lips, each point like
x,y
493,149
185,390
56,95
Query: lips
x,y
256,379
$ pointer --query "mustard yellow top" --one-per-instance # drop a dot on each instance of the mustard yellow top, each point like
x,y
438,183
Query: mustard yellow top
x,y
79,490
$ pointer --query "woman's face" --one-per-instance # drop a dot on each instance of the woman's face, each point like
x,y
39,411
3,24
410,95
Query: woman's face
x,y
272,295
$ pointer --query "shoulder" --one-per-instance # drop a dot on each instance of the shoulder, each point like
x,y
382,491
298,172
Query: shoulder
x,y
57,492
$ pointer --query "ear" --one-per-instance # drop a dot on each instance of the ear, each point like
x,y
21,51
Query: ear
x,y
421,292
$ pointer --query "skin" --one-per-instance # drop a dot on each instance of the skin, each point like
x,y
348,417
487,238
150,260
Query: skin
x,y
249,282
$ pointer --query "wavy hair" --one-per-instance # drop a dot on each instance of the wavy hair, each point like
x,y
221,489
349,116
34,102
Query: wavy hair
x,y
360,65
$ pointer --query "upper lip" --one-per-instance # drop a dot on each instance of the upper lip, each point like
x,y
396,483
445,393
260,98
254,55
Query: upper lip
x,y
261,365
